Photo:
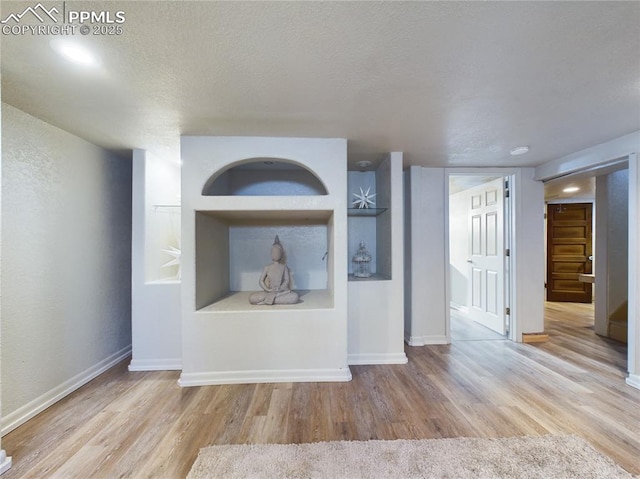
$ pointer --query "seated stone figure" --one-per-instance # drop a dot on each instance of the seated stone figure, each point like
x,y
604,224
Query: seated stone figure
x,y
274,280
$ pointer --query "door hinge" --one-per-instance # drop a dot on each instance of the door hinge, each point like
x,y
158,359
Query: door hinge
x,y
507,252
506,193
507,311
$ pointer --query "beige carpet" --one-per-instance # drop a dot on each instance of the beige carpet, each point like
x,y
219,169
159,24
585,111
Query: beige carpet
x,y
518,457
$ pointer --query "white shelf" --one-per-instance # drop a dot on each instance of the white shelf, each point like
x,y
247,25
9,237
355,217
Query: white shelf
x,y
239,301
373,277
365,211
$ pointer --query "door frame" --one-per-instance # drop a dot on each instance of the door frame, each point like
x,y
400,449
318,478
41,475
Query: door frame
x,y
512,175
598,158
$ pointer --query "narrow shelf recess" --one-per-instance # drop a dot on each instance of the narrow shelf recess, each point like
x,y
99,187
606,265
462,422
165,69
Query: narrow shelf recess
x,y
365,211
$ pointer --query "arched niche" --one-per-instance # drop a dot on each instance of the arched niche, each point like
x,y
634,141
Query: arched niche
x,y
264,177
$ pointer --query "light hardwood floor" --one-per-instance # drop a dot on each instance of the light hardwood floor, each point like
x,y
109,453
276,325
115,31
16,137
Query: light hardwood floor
x,y
137,424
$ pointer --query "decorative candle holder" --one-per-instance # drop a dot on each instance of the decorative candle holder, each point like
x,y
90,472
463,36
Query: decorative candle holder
x,y
362,262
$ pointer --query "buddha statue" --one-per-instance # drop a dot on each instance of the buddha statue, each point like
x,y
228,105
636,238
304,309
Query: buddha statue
x,y
274,280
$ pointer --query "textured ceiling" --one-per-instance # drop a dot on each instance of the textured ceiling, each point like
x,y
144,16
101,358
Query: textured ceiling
x,y
448,83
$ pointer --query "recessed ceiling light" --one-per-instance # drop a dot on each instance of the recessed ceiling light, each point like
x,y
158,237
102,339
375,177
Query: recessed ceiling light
x,y
363,164
571,189
74,52
519,150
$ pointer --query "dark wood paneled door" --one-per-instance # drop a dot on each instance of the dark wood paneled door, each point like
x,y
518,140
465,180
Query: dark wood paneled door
x,y
569,250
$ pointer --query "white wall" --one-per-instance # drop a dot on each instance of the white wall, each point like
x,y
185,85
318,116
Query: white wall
x,y
618,226
305,247
155,320
5,462
612,254
459,247
425,320
527,251
161,187
66,272
633,365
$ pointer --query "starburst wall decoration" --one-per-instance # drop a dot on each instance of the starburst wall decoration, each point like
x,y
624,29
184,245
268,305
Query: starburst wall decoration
x,y
364,199
176,253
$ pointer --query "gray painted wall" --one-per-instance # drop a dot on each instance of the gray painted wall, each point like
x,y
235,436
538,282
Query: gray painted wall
x,y
66,259
611,246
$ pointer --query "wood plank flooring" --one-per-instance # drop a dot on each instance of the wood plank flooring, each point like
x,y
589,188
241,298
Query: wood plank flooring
x,y
141,424
465,329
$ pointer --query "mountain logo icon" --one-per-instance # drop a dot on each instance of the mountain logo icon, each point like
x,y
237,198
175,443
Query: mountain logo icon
x,y
39,11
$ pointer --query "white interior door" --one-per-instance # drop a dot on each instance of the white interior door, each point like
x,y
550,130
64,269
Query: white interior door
x,y
486,255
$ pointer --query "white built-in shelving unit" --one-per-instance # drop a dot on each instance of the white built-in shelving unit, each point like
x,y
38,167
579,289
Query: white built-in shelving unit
x,y
376,304
237,195
222,209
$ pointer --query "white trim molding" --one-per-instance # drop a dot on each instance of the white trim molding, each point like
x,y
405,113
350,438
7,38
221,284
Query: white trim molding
x,y
5,461
156,364
376,358
590,158
265,376
634,381
633,348
31,409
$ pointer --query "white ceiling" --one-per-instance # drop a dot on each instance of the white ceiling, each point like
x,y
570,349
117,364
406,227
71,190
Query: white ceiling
x,y
448,83
554,190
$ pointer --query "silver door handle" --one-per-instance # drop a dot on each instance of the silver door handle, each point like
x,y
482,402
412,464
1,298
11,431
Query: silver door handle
x,y
469,261
590,258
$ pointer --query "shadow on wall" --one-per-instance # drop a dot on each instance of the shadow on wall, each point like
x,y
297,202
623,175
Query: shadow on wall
x,y
458,286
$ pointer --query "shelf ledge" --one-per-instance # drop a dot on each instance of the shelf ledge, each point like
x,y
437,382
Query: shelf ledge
x,y
237,301
365,211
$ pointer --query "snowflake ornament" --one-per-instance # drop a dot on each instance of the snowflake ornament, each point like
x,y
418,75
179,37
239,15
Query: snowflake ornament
x,y
176,253
364,199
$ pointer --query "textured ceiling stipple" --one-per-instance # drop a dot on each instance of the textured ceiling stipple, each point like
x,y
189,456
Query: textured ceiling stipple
x,y
448,83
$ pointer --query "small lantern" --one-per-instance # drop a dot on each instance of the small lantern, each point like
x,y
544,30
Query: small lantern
x,y
362,262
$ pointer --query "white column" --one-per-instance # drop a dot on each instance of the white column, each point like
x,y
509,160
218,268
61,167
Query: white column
x,y
634,265
425,284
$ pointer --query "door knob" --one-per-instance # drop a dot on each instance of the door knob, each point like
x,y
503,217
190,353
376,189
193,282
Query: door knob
x,y
590,258
469,261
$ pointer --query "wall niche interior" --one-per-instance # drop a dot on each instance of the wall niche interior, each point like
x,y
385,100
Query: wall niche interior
x,y
232,249
371,225
264,177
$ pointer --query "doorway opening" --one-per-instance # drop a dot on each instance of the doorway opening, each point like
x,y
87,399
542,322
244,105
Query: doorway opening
x,y
479,239
586,249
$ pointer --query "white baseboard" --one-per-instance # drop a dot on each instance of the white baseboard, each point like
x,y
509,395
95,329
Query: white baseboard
x,y
265,376
425,340
5,461
29,410
634,381
155,365
385,358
